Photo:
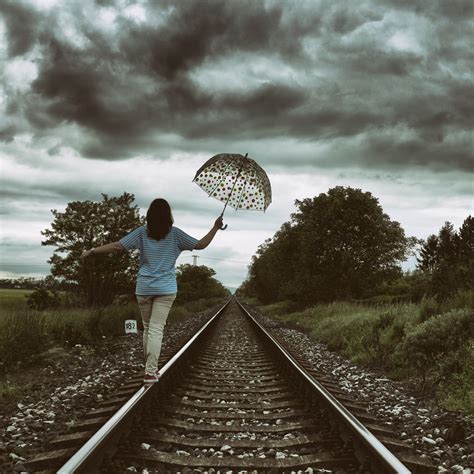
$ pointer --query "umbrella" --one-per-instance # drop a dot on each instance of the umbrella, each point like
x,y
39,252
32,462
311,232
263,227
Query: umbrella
x,y
236,180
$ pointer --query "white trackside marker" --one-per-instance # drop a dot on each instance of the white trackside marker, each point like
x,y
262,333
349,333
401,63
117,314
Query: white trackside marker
x,y
131,326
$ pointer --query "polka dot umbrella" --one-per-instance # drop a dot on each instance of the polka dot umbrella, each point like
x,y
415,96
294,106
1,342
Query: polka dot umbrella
x,y
236,180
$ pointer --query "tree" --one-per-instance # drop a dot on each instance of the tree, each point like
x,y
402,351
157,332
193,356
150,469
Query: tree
x,y
448,259
87,224
196,282
338,245
271,274
466,252
428,258
20,283
348,244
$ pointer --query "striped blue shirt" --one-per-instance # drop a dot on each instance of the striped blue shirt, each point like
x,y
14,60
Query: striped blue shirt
x,y
157,275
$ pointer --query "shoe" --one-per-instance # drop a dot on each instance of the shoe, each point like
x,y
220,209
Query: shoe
x,y
151,378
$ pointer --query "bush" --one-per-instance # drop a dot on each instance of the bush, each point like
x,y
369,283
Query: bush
x,y
428,308
456,392
375,341
440,344
42,299
462,299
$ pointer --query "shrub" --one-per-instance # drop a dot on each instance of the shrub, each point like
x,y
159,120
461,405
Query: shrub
x,y
456,392
462,299
42,299
428,308
435,345
374,339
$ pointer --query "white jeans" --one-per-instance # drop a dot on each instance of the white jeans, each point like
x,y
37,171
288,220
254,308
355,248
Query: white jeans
x,y
154,311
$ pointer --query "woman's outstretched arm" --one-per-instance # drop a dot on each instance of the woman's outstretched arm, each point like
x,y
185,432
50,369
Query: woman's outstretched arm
x,y
207,239
107,248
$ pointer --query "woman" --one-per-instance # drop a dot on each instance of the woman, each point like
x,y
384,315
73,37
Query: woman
x,y
160,244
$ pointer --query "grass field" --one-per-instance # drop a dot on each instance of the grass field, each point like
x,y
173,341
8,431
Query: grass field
x,y
12,298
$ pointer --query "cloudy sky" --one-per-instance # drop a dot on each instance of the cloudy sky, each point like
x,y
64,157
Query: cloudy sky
x,y
109,96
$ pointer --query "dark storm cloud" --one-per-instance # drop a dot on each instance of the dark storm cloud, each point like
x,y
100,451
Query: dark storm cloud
x,y
419,152
129,90
77,83
21,22
380,63
76,86
455,9
202,29
344,21
7,133
266,100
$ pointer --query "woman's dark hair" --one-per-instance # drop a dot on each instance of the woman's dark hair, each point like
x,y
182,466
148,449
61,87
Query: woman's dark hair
x,y
159,219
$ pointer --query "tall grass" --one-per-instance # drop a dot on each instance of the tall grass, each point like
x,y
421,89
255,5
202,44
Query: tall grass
x,y
406,340
350,328
25,333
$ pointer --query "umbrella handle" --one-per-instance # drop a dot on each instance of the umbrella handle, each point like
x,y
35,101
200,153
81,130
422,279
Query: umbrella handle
x,y
223,227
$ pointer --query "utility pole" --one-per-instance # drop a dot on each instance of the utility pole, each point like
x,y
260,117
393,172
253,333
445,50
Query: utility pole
x,y
195,258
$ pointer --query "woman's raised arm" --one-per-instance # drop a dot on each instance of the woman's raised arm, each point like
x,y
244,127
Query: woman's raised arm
x,y
107,248
207,239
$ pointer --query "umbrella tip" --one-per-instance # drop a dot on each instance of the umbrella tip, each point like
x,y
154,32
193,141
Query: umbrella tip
x,y
246,154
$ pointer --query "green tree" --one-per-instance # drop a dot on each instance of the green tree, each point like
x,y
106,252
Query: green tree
x,y
196,282
271,273
428,258
86,224
338,245
448,259
466,253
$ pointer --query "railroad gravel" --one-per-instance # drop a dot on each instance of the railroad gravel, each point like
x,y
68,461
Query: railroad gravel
x,y
249,438
92,374
446,437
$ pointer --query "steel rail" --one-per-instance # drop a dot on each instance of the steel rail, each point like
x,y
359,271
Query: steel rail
x,y
84,459
383,456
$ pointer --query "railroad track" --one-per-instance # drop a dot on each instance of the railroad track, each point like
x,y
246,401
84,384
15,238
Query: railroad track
x,y
232,399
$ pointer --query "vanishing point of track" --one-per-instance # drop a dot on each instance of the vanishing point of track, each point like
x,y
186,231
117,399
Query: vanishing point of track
x,y
233,399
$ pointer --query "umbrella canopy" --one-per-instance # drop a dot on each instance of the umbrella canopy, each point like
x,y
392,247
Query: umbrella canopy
x,y
236,180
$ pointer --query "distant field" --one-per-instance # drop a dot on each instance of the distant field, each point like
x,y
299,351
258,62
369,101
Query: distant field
x,y
12,299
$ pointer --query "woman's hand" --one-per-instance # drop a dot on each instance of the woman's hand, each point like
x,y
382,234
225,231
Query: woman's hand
x,y
219,223
87,253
